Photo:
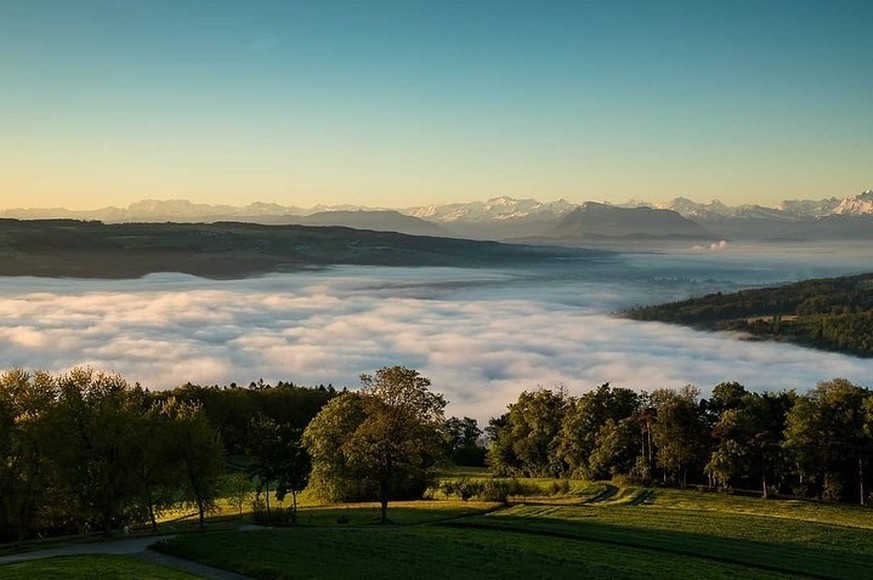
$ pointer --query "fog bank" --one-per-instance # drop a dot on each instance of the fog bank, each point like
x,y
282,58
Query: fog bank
x,y
482,336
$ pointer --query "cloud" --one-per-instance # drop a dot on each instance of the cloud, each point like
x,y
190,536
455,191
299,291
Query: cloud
x,y
713,247
481,336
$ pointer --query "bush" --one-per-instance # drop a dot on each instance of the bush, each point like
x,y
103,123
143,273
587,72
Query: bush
x,y
498,489
833,489
560,487
463,488
495,490
276,517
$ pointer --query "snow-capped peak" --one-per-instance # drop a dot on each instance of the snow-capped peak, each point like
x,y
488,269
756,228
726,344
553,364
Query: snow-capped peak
x,y
860,204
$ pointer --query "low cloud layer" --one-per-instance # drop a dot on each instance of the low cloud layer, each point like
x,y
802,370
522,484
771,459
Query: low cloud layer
x,y
481,336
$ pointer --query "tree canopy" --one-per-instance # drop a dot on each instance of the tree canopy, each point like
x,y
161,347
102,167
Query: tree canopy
x,y
819,444
380,443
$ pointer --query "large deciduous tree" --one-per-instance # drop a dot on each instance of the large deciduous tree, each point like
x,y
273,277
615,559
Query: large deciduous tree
x,y
382,442
27,483
195,453
462,440
525,440
599,435
94,425
679,432
278,457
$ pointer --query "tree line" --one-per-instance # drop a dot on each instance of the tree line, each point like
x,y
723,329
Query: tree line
x,y
814,445
87,451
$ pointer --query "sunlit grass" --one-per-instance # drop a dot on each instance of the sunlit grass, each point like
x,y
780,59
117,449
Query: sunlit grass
x,y
600,531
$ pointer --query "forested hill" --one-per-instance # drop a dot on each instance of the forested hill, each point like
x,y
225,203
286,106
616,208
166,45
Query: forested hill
x,y
827,313
70,248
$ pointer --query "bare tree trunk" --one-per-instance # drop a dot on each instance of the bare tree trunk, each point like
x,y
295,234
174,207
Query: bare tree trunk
x,y
383,499
861,479
267,496
649,437
763,479
152,515
201,507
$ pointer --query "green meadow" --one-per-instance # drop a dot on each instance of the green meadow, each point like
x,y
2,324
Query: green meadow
x,y
105,567
614,532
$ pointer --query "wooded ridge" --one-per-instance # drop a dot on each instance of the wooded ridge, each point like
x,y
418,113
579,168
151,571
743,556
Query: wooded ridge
x,y
827,313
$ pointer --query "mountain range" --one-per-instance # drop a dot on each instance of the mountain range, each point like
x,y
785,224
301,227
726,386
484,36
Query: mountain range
x,y
505,217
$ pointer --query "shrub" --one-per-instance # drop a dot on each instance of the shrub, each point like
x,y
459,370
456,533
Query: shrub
x,y
463,488
560,487
833,488
276,517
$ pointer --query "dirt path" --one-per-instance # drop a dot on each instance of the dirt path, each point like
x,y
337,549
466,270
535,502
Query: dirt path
x,y
188,566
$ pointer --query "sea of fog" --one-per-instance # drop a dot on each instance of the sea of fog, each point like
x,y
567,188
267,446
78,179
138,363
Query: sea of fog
x,y
481,335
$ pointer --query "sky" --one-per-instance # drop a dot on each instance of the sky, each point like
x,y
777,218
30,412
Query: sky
x,y
402,103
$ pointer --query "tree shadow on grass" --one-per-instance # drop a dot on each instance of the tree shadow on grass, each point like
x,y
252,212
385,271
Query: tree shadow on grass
x,y
765,556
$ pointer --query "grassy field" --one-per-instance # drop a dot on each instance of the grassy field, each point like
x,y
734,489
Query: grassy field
x,y
433,552
88,568
595,531
592,530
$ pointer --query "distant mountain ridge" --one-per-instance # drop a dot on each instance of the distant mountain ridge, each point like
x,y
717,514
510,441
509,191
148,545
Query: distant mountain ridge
x,y
602,220
510,218
377,220
502,208
860,204
495,209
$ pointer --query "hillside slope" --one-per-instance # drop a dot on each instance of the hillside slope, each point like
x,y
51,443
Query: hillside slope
x,y
68,248
828,313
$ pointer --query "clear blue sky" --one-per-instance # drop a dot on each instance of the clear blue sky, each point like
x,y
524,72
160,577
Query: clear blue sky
x,y
405,102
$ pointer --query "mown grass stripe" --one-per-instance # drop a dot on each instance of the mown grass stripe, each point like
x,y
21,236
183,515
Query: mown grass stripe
x,y
647,547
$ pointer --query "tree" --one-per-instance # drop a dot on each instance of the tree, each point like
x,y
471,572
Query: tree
x,y
829,438
615,448
678,432
461,438
804,442
27,483
294,468
196,454
95,428
238,488
150,447
580,436
526,443
383,441
278,456
333,478
727,460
